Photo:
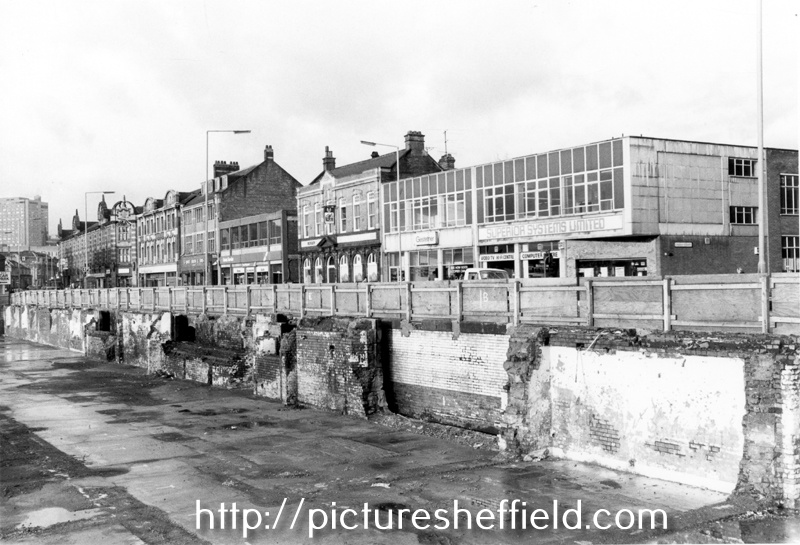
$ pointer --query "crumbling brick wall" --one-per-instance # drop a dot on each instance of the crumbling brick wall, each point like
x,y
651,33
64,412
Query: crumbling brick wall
x,y
338,365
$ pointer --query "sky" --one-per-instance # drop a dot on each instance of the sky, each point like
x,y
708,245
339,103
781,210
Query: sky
x,y
118,95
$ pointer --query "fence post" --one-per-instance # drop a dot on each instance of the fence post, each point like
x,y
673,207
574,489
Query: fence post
x,y
517,313
203,306
459,300
302,300
765,303
274,298
169,297
367,301
154,297
408,300
667,302
333,299
225,300
247,298
589,304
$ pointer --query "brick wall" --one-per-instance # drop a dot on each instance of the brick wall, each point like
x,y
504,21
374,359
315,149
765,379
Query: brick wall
x,y
338,365
267,188
450,379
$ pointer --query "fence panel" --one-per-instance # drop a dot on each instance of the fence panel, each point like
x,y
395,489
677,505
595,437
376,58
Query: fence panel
x,y
351,299
215,300
486,301
433,299
261,298
630,302
389,300
318,299
785,297
550,300
290,298
237,299
717,302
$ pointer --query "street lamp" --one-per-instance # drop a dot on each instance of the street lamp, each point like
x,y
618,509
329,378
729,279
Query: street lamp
x,y
207,266
399,223
86,232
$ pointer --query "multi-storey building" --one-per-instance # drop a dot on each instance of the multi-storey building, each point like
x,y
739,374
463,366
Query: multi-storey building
x,y
158,239
623,207
23,223
257,224
340,214
110,243
198,231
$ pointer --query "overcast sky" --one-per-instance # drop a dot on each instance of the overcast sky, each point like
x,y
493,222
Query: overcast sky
x,y
118,95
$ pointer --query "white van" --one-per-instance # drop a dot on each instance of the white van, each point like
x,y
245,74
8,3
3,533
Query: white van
x,y
485,274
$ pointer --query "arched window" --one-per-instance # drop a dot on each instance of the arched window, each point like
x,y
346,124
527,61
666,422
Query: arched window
x,y
344,270
358,269
331,269
372,268
318,270
307,271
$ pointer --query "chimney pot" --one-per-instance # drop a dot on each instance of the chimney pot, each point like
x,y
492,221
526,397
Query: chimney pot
x,y
268,153
329,161
447,162
375,154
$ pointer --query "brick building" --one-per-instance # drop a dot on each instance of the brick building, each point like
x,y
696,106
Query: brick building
x,y
339,212
257,223
623,207
111,249
158,239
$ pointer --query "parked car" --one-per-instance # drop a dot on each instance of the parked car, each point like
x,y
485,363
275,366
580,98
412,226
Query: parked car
x,y
485,274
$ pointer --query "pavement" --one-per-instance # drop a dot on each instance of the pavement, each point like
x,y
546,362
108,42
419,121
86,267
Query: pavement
x,y
94,452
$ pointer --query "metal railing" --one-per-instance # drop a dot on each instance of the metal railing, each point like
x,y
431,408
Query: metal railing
x,y
706,302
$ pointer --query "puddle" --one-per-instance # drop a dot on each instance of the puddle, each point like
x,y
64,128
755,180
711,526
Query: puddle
x,y
49,516
246,425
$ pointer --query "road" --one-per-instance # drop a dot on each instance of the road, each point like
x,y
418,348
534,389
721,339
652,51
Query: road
x,y
102,453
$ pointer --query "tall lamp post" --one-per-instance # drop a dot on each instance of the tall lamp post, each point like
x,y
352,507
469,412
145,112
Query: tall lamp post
x,y
399,223
86,233
207,266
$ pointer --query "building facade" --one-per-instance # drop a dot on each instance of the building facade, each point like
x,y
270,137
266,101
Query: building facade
x,y
629,206
257,233
340,214
158,239
23,223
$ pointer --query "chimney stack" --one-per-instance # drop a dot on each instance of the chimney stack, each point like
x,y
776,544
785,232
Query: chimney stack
x,y
329,161
222,168
415,141
447,162
375,155
268,154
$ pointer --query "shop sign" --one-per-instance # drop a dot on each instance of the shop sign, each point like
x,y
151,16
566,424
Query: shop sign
x,y
124,270
683,244
226,259
427,239
310,243
262,268
328,213
358,237
5,278
496,257
549,228
238,270
539,255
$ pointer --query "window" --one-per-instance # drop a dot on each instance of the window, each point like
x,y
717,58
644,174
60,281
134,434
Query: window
x,y
741,167
790,194
358,268
372,211
744,215
307,270
224,239
187,217
307,224
188,246
275,232
330,223
198,243
252,229
790,251
331,270
234,237
342,216
263,236
356,212
212,243
318,270
212,213
318,219
344,270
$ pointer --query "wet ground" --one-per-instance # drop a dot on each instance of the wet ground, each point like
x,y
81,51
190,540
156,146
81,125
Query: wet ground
x,y
102,453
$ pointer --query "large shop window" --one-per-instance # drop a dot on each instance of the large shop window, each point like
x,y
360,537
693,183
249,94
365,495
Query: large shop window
x,y
358,269
455,261
424,265
611,267
344,270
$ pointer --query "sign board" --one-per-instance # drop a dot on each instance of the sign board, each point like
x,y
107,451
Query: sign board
x,y
683,244
539,255
497,257
5,278
426,239
328,213
522,230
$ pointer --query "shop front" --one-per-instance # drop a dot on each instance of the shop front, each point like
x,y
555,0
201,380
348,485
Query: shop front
x,y
193,269
341,258
249,268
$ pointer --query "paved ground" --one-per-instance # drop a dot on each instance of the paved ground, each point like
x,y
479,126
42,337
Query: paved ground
x,y
100,453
